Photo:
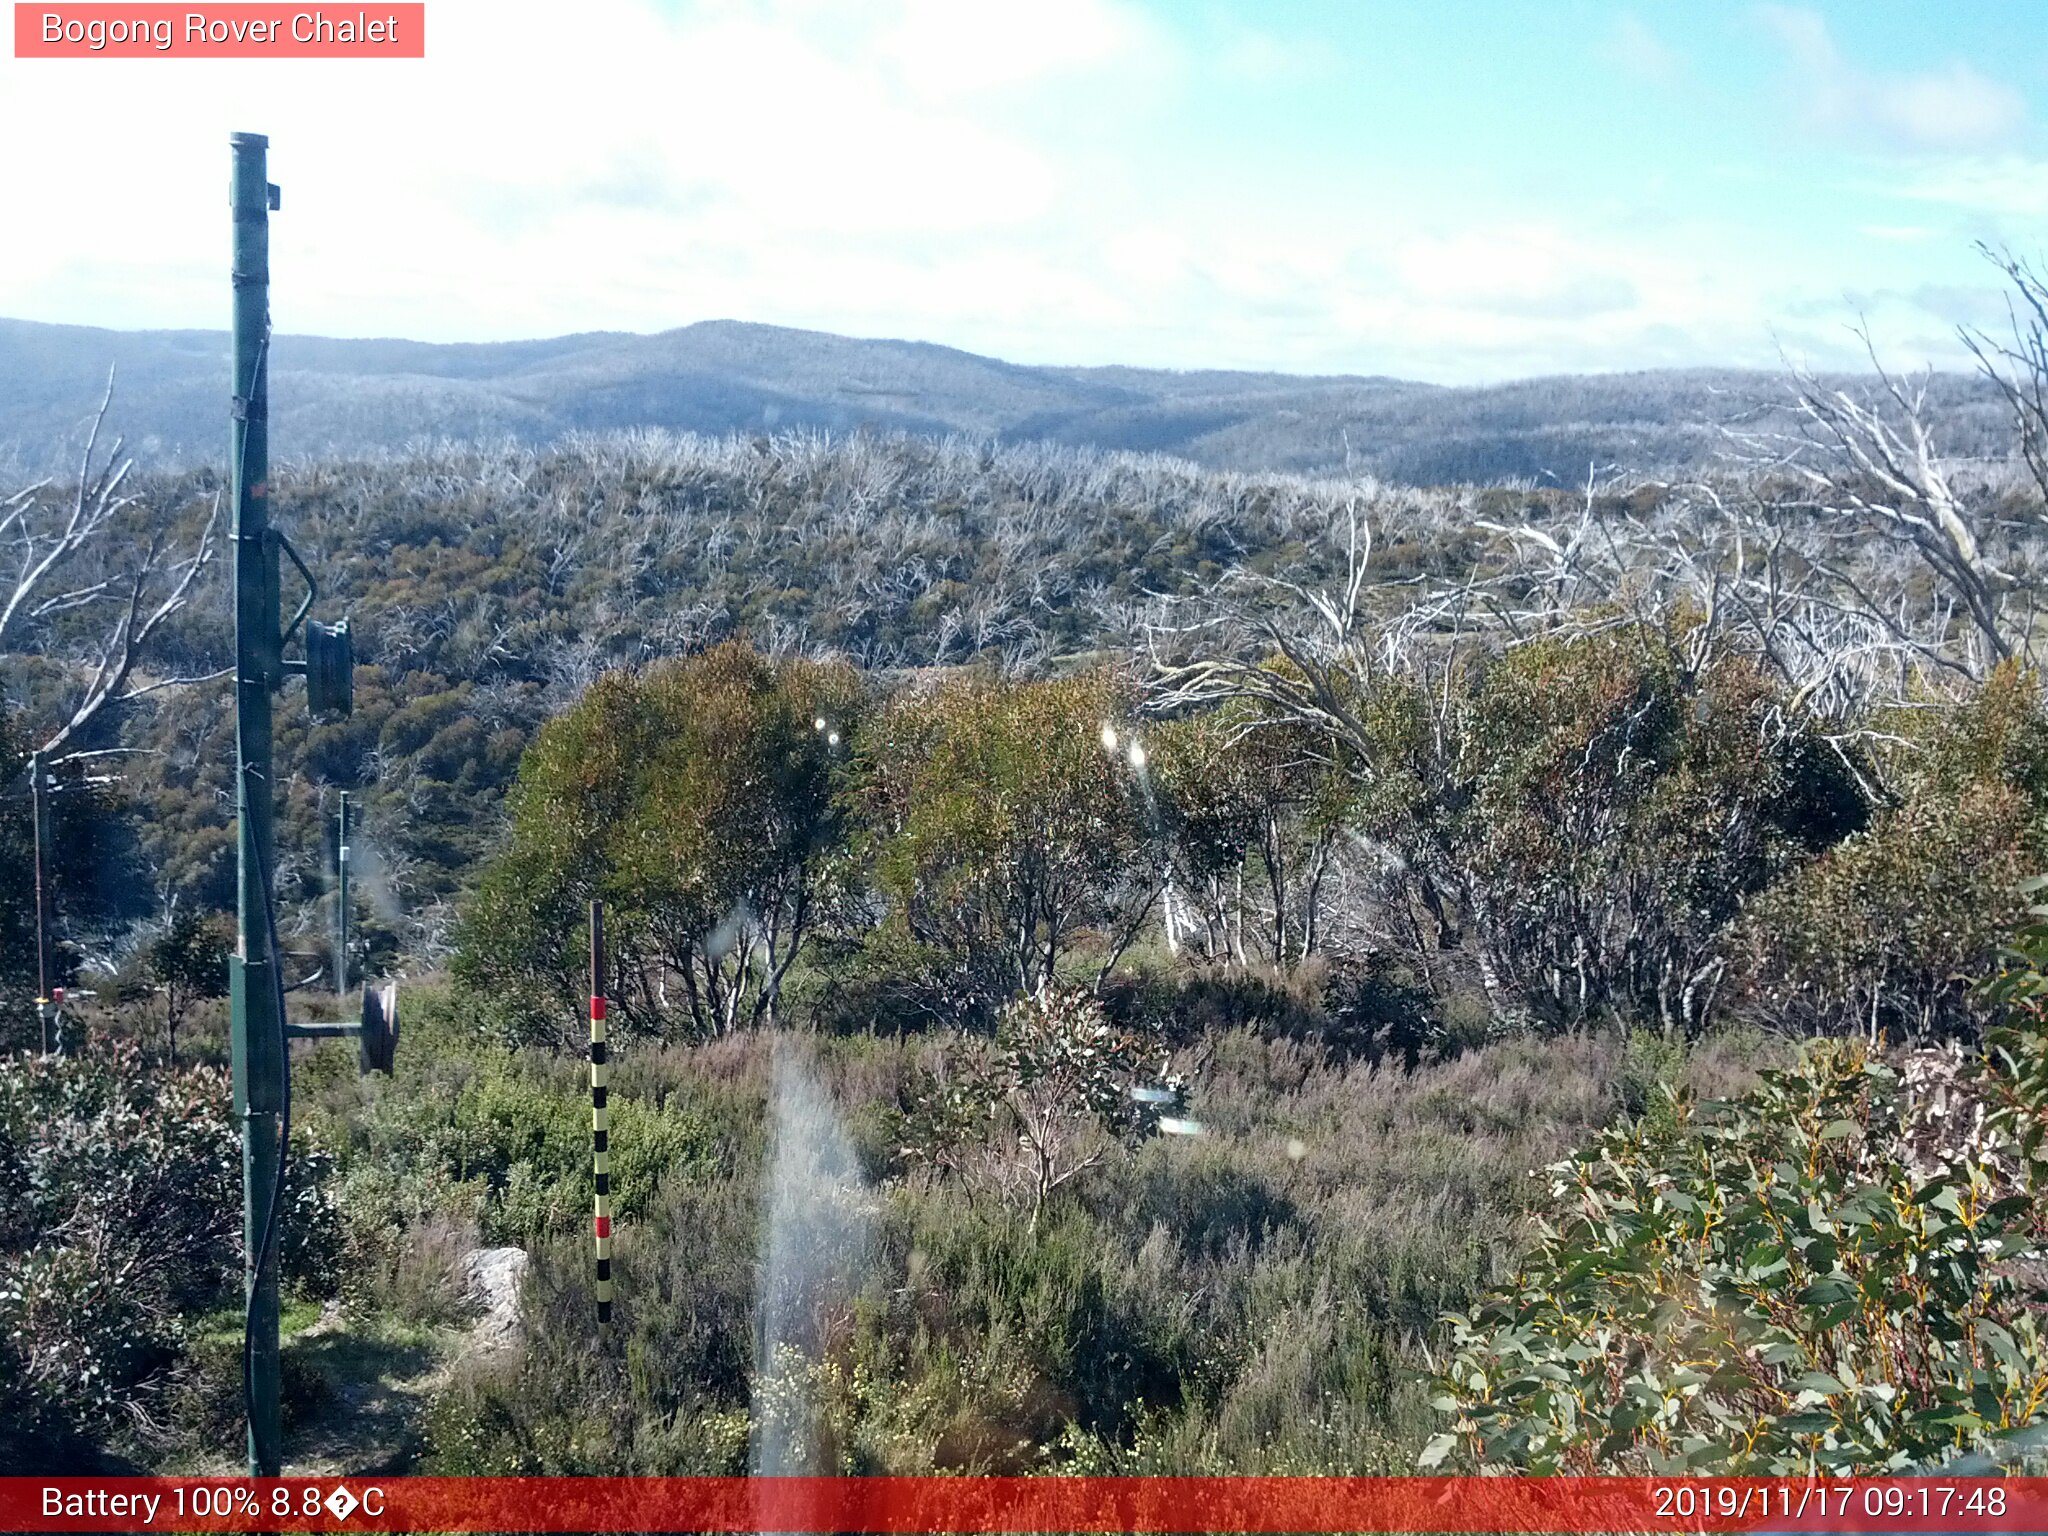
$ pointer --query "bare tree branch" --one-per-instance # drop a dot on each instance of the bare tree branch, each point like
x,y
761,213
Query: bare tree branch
x,y
44,540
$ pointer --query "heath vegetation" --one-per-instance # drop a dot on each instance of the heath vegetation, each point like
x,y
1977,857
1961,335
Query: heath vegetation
x,y
1318,976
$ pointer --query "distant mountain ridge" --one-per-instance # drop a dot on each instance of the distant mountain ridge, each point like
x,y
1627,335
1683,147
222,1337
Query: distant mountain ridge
x,y
334,396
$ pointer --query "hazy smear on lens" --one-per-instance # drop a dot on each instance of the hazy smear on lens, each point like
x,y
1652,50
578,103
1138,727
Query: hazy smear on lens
x,y
815,1251
720,941
369,876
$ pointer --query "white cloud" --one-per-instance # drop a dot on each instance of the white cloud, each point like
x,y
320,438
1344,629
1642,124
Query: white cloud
x,y
1641,52
1530,270
1951,107
1263,58
2003,186
914,168
943,49
588,150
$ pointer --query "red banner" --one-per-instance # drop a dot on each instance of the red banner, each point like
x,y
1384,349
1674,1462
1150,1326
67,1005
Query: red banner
x,y
236,31
922,1506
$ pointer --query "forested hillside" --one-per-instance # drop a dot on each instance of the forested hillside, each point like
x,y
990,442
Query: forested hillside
x,y
334,397
488,588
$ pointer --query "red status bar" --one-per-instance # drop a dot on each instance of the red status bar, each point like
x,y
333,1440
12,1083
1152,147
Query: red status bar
x,y
919,1506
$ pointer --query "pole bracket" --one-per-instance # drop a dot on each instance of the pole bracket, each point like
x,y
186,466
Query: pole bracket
x,y
312,587
376,1035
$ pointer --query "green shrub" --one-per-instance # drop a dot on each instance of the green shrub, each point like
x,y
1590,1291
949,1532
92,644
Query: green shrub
x,y
1615,811
1881,936
699,801
1649,1073
1001,832
124,1220
1825,1274
1045,1103
2017,1049
501,1139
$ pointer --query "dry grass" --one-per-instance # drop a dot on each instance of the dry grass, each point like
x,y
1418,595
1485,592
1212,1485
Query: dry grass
x,y
1258,1298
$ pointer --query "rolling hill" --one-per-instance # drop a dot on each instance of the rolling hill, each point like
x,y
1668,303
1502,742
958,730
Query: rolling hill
x,y
353,396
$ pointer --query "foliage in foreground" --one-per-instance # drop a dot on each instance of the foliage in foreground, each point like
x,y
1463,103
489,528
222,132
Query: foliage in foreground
x,y
122,1227
1834,1272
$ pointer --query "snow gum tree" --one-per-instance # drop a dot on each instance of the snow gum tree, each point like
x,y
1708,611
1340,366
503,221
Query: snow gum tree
x,y
699,801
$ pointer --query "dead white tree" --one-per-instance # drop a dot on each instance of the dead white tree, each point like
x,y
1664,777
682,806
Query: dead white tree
x,y
42,545
1893,540
61,550
67,559
1319,637
1720,565
2018,366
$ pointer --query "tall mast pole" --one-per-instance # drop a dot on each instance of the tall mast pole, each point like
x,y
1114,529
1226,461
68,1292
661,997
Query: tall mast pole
x,y
255,996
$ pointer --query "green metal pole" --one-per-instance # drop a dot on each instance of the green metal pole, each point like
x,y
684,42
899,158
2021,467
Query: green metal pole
x,y
258,1030
341,902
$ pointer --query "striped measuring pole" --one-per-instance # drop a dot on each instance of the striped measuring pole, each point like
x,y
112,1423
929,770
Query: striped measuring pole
x,y
600,1116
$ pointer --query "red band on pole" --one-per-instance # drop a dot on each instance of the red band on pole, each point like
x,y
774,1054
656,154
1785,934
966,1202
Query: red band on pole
x,y
597,1010
604,1226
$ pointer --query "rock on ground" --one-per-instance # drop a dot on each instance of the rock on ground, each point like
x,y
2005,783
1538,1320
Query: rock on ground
x,y
494,1276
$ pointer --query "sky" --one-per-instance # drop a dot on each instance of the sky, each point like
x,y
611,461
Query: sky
x,y
1459,191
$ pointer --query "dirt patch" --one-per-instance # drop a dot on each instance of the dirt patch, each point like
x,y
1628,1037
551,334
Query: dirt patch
x,y
379,1379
